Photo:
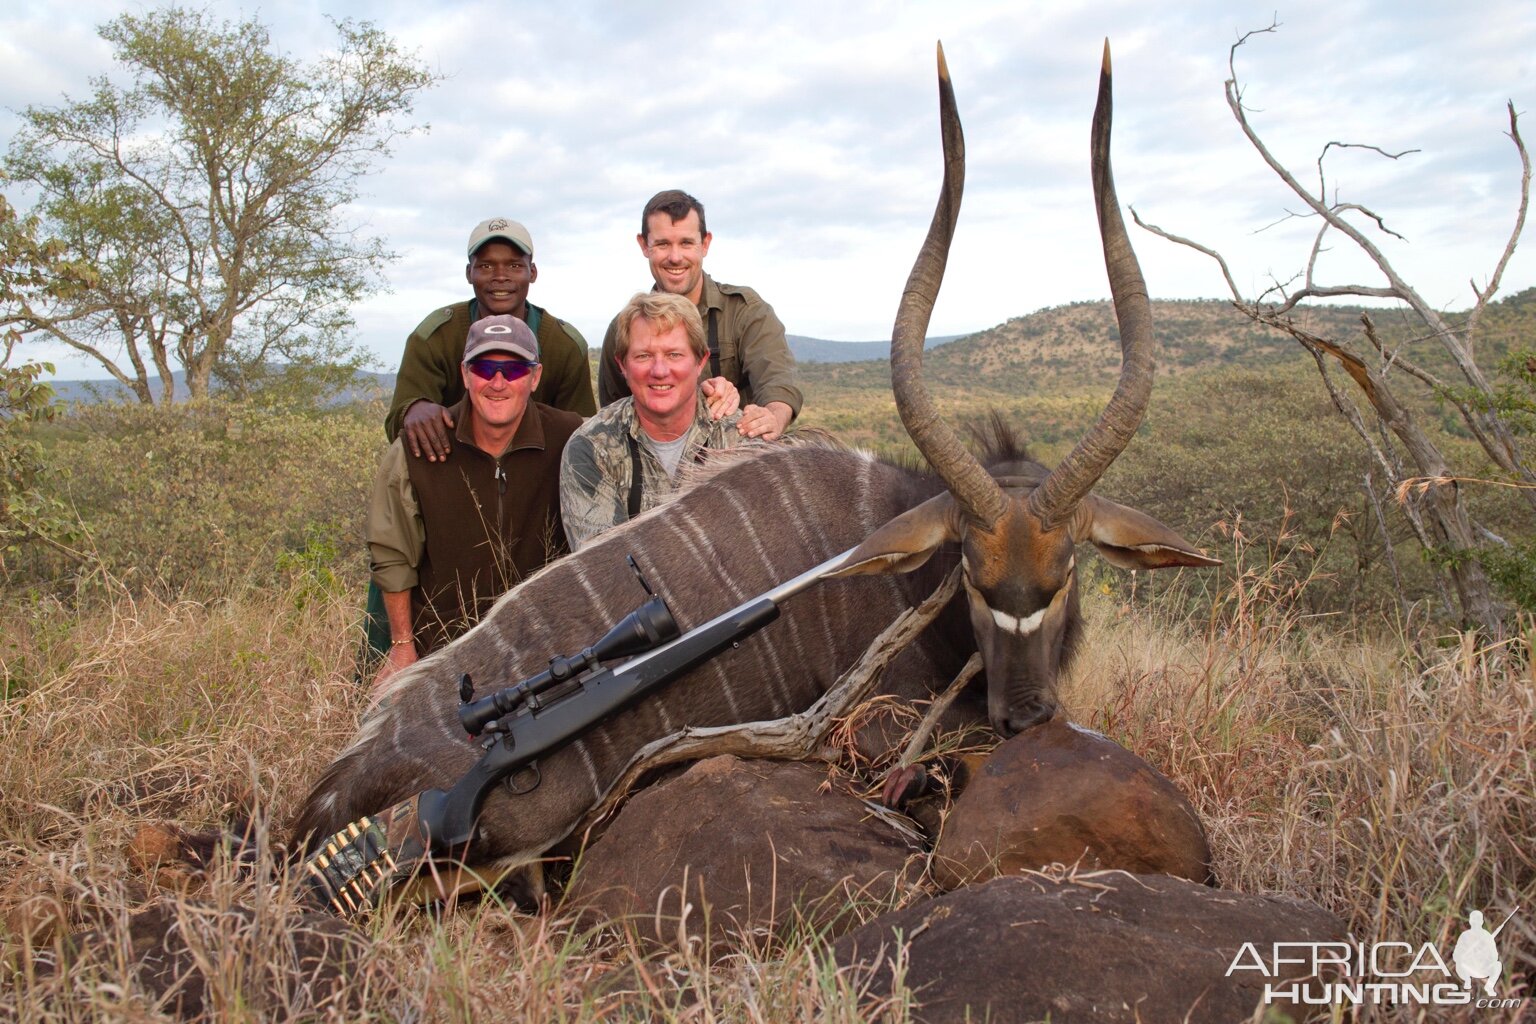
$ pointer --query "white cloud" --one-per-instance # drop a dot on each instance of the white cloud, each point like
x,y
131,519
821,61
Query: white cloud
x,y
809,130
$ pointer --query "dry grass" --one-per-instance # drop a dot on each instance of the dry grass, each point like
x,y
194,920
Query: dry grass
x,y
1389,779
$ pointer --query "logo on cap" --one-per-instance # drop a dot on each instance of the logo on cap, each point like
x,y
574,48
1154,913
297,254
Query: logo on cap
x,y
496,329
504,228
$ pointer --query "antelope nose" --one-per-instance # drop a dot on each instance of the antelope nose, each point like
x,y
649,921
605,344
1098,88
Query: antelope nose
x,y
1025,718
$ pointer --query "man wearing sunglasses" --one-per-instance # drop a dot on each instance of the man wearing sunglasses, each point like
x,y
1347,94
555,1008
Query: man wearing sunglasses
x,y
446,537
500,271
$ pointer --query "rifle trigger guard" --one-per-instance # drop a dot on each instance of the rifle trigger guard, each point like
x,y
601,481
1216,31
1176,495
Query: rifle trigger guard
x,y
511,780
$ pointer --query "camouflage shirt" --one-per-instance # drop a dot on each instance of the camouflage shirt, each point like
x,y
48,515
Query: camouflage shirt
x,y
597,467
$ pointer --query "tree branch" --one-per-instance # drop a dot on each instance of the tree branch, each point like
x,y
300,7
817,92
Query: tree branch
x,y
1486,294
1226,272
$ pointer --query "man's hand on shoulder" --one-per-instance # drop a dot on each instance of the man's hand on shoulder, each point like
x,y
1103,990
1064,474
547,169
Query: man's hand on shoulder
x,y
425,428
765,421
721,397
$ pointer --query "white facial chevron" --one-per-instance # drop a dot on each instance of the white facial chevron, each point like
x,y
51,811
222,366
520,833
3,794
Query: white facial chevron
x,y
1023,627
1013,624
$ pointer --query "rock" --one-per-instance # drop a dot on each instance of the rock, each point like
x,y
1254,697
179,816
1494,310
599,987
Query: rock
x,y
754,841
278,966
1103,947
1059,793
31,914
162,854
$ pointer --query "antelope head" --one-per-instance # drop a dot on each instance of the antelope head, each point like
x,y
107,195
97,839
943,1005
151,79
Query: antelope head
x,y
1018,530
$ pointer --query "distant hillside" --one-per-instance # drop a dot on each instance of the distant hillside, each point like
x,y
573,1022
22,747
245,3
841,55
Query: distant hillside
x,y
1071,346
819,350
88,392
806,350
1079,344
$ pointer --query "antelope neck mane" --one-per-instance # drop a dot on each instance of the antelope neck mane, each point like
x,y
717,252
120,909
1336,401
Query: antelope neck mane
x,y
995,441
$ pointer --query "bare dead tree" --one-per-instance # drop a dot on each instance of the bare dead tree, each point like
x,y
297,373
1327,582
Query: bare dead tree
x,y
1438,514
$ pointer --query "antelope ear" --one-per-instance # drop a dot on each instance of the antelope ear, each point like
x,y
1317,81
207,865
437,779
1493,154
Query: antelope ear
x,y
1133,540
905,542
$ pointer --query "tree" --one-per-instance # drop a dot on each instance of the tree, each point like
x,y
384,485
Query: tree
x,y
1412,463
24,397
201,203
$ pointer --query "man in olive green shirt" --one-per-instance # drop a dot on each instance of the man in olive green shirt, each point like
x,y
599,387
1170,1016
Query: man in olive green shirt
x,y
746,341
500,270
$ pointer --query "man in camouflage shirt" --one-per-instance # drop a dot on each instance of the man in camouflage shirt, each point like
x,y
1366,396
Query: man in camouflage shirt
x,y
627,459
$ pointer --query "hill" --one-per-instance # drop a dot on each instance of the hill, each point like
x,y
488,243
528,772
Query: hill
x,y
1062,348
366,387
819,350
805,349
1079,344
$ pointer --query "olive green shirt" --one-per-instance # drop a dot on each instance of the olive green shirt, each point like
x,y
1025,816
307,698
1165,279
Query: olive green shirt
x,y
754,353
429,369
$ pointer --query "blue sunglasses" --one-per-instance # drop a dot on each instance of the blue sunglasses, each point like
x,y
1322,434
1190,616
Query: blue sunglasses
x,y
510,369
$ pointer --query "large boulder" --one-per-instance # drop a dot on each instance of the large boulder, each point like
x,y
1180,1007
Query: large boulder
x,y
744,848
1103,947
1059,793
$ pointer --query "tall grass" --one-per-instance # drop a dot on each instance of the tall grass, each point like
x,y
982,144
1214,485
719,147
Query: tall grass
x,y
202,668
1389,778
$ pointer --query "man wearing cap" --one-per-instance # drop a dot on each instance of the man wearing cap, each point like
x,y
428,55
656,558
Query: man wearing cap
x,y
446,537
499,270
629,458
745,339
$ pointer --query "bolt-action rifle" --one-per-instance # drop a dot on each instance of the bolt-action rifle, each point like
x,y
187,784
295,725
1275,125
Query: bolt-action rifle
x,y
519,724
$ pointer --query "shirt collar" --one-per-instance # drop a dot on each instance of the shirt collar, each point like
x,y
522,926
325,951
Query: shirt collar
x,y
710,298
535,314
530,432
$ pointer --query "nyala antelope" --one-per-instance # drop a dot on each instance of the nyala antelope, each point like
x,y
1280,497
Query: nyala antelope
x,y
1012,524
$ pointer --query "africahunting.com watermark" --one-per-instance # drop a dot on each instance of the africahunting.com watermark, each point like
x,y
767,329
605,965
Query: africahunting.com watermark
x,y
1354,973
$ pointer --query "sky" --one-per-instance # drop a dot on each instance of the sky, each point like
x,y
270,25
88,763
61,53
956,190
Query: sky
x,y
810,132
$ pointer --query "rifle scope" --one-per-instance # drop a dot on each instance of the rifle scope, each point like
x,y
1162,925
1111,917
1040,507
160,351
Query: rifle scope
x,y
647,627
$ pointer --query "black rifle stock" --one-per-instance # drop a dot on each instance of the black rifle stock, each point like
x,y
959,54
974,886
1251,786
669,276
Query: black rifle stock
x,y
448,819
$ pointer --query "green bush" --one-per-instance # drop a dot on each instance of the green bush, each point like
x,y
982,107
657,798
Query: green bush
x,y
1513,572
26,512
1260,465
212,492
